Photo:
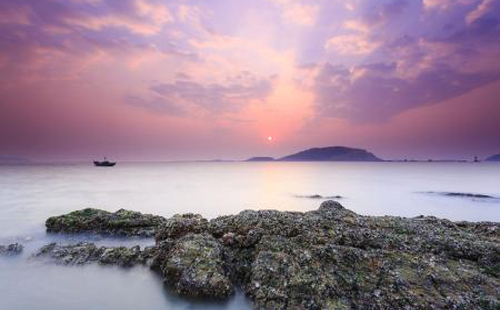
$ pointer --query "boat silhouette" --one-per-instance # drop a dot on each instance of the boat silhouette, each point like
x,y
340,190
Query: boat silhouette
x,y
104,163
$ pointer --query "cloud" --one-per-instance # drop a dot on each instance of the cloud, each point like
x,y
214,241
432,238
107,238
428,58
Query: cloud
x,y
230,96
402,68
156,104
445,4
137,16
361,38
485,7
19,15
383,13
297,12
351,44
57,40
375,92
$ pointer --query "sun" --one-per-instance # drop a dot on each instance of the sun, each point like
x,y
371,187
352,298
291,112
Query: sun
x,y
270,138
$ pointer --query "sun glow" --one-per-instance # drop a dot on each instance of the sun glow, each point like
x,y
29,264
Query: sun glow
x,y
269,138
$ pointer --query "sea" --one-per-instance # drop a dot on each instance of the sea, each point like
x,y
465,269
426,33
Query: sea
x,y
29,194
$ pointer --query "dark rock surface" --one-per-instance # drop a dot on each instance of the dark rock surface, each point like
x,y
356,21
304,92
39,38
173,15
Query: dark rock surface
x,y
95,221
11,249
86,253
332,153
330,258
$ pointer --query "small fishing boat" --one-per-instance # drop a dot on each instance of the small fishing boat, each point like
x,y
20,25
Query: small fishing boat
x,y
104,163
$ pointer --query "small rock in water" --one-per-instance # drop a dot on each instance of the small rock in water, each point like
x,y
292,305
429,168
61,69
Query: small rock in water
x,y
463,195
11,249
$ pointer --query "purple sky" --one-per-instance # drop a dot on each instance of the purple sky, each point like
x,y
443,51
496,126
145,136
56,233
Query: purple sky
x,y
179,79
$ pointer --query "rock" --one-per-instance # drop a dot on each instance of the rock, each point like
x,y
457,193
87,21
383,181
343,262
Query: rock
x,y
316,196
11,249
329,258
87,253
462,195
180,225
194,267
333,258
120,223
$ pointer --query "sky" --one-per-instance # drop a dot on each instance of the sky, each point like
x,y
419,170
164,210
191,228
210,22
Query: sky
x,y
208,79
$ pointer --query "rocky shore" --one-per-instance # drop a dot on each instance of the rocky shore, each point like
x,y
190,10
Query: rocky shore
x,y
330,258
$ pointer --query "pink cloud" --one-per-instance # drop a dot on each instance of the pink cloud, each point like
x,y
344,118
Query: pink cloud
x,y
149,20
297,12
351,44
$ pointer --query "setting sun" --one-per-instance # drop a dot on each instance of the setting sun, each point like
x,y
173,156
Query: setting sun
x,y
269,138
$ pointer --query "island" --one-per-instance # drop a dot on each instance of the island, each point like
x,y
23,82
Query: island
x,y
494,158
261,159
330,153
329,258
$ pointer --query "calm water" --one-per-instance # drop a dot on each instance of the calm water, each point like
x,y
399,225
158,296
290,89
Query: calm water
x,y
30,194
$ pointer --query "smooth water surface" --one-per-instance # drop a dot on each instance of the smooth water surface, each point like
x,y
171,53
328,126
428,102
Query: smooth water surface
x,y
29,194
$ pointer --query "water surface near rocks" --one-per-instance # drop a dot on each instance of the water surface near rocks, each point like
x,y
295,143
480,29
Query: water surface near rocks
x,y
30,194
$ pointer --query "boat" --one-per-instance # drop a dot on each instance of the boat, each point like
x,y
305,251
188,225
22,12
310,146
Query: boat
x,y
104,163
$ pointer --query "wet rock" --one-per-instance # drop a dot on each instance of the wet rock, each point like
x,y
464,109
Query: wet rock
x,y
11,249
119,223
87,253
194,267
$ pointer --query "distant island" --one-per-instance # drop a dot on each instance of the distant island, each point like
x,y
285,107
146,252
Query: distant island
x,y
13,160
494,158
262,158
331,153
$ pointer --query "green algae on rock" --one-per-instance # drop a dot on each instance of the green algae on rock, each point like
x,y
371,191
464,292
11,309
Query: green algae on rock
x,y
95,221
194,268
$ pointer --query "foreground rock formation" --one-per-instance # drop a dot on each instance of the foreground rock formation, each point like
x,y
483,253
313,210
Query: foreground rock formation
x,y
330,258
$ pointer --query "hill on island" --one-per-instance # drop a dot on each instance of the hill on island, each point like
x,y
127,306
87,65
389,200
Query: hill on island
x,y
494,158
331,153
